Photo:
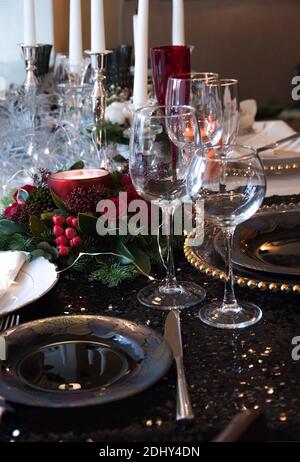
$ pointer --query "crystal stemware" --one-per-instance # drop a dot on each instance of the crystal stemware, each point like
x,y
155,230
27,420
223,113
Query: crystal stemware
x,y
159,167
232,183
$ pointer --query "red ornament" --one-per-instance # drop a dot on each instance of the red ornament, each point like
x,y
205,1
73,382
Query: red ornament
x,y
62,241
69,220
75,223
70,233
64,251
58,220
58,231
76,242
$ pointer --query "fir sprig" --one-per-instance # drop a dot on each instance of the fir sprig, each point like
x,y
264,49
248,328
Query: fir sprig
x,y
113,274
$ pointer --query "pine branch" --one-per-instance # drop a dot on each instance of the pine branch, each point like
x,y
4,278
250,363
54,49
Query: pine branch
x,y
113,274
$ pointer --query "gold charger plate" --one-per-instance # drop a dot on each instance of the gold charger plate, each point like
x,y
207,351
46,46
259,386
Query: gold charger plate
x,y
205,258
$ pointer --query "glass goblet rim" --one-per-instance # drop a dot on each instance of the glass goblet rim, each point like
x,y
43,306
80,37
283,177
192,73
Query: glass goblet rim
x,y
223,82
196,76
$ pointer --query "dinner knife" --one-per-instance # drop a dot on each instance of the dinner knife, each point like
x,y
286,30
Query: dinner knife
x,y
278,143
184,409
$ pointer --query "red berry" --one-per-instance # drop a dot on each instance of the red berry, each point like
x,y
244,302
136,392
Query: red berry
x,y
62,241
76,242
70,233
58,220
64,251
69,220
75,222
58,231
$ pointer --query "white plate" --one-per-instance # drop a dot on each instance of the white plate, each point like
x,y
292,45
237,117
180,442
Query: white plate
x,y
286,156
35,279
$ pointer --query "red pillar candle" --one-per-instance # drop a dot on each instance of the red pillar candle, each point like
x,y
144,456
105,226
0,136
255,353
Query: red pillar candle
x,y
63,183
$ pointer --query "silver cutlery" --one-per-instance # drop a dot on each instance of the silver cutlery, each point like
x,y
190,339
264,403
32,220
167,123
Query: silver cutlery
x,y
278,143
7,322
184,409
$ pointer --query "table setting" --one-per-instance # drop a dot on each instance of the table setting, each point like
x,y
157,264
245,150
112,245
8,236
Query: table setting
x,y
149,247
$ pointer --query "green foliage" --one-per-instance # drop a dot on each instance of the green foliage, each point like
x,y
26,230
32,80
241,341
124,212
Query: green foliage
x,y
44,249
8,227
37,226
132,255
16,242
87,224
78,165
114,133
112,274
84,265
58,201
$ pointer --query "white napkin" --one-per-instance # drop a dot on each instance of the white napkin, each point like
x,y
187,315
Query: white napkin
x,y
248,111
268,132
10,266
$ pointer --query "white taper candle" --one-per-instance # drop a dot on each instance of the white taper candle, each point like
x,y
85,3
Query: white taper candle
x,y
135,26
140,92
178,23
98,27
75,35
29,23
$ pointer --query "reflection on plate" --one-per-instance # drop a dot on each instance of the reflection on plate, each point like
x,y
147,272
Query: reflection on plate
x,y
267,243
35,279
208,260
80,361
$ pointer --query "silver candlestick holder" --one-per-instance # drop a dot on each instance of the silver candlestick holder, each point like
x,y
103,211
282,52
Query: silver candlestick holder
x,y
30,57
99,94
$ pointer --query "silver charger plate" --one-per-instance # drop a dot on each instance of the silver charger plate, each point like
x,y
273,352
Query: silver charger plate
x,y
76,361
207,260
268,243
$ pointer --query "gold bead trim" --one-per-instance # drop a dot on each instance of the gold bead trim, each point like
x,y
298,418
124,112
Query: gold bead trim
x,y
216,273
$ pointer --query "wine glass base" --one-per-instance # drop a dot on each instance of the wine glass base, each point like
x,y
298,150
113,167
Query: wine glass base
x,y
247,315
186,295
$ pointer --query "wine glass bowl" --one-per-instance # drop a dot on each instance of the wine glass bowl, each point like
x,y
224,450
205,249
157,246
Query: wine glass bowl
x,y
196,90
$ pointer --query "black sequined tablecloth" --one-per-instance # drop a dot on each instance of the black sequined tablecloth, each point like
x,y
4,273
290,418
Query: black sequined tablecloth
x,y
226,371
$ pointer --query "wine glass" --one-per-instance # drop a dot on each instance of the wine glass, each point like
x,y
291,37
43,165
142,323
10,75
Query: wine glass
x,y
202,92
232,183
231,109
159,171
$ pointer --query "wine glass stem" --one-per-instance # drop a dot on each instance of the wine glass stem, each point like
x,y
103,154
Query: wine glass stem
x,y
229,300
170,281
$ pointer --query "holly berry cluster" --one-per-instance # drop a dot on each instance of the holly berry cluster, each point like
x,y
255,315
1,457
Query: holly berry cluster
x,y
65,229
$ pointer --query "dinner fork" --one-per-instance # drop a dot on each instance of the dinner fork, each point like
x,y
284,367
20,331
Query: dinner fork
x,y
6,322
9,321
